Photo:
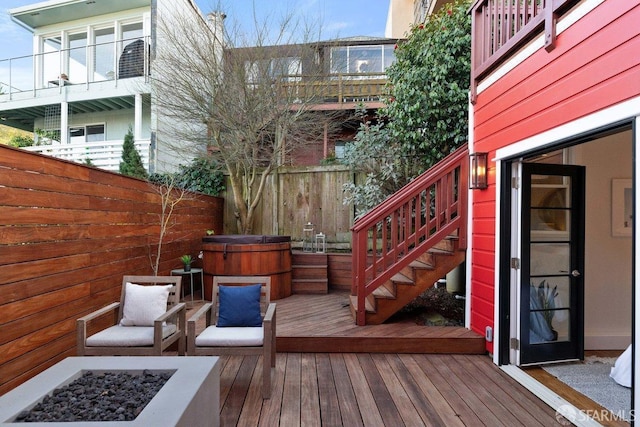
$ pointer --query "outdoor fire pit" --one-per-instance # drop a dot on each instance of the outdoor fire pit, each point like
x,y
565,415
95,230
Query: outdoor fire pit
x,y
191,396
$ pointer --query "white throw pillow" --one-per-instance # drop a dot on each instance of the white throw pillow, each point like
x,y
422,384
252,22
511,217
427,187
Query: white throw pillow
x,y
144,304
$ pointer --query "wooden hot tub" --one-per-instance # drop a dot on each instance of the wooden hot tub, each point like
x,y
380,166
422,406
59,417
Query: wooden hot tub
x,y
248,255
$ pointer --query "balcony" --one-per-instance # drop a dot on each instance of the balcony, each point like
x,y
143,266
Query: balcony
x,y
103,154
336,91
501,27
72,71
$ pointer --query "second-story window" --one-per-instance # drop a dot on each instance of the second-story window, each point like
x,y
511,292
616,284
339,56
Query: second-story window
x,y
361,59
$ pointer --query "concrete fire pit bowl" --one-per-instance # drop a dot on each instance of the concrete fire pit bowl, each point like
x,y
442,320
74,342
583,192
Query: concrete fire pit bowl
x,y
191,397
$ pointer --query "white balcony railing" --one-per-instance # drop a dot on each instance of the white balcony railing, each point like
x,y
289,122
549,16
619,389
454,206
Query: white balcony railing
x,y
103,154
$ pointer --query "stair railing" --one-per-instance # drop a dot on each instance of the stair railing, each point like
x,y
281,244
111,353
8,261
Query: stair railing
x,y
409,223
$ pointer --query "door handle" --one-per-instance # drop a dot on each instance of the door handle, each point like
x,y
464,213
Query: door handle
x,y
575,273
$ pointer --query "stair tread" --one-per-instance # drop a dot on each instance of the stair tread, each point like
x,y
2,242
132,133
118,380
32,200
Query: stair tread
x,y
440,251
401,278
420,264
383,292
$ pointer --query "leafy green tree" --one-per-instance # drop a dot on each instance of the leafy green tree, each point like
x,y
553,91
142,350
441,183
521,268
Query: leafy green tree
x,y
429,86
131,164
425,115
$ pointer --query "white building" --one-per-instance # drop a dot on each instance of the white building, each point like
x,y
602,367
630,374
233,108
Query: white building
x,y
90,79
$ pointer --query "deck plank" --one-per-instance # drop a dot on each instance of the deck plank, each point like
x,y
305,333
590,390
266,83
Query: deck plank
x,y
310,390
270,414
329,407
403,403
366,402
232,407
506,390
290,415
414,393
381,394
445,412
347,398
449,391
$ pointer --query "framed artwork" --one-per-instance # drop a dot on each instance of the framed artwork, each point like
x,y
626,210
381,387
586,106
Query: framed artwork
x,y
621,207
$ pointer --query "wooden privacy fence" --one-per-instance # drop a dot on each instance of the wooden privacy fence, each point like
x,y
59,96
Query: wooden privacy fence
x,y
296,195
68,233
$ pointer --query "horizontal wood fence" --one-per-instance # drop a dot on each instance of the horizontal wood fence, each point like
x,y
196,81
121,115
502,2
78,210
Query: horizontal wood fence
x,y
296,195
68,233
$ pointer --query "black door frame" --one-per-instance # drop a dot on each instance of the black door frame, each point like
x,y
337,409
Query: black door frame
x,y
573,348
504,266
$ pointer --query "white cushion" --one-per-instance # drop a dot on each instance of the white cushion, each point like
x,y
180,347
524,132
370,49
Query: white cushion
x,y
230,337
144,304
126,336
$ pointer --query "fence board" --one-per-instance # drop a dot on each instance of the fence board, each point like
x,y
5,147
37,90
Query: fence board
x,y
296,195
68,233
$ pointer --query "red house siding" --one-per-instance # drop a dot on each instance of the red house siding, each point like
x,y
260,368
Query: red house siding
x,y
595,64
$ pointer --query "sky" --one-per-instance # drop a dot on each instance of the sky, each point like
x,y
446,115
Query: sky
x,y
336,18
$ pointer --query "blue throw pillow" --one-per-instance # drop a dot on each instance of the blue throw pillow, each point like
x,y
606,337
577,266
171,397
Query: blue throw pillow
x,y
239,306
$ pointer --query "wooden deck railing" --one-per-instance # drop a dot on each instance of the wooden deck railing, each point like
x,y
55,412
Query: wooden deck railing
x,y
407,224
336,88
500,27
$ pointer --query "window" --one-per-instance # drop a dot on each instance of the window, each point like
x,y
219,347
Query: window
x,y
88,133
339,150
132,32
290,66
361,59
339,60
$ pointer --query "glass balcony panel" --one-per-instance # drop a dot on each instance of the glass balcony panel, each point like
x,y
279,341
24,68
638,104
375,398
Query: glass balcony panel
x,y
103,62
78,58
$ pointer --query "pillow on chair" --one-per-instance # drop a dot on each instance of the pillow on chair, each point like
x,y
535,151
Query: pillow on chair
x,y
144,304
239,306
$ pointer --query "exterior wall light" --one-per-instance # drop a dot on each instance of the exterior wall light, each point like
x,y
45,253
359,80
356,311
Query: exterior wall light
x,y
478,171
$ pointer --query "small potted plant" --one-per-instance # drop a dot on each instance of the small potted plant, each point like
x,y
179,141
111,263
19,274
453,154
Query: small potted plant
x,y
186,260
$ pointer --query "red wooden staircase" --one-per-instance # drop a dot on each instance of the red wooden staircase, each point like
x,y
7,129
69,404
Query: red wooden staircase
x,y
415,237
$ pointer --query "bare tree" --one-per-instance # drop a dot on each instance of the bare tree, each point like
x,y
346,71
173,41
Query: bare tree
x,y
170,196
246,104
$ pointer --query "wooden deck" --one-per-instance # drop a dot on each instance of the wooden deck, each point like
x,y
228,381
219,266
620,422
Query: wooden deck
x,y
323,323
364,389
330,372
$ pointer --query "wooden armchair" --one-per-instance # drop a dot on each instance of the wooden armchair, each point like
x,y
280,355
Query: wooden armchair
x,y
147,320
240,320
